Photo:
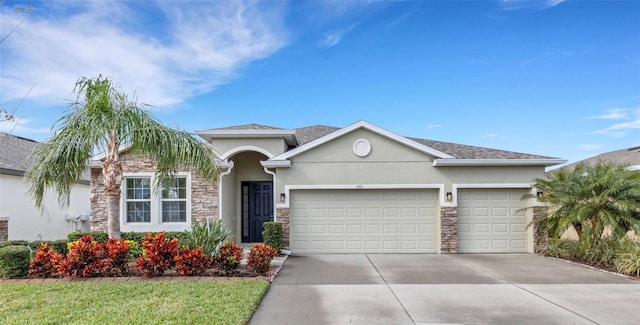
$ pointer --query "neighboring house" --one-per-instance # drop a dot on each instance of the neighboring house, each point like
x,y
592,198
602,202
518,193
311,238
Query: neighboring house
x,y
17,210
627,156
357,189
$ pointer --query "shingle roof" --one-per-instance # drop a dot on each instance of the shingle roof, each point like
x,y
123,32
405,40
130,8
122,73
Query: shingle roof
x,y
252,126
310,133
14,156
628,156
14,152
459,151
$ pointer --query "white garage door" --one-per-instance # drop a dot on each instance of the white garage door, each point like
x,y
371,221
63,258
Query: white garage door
x,y
363,221
489,221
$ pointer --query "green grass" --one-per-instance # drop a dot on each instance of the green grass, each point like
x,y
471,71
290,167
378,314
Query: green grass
x,y
132,302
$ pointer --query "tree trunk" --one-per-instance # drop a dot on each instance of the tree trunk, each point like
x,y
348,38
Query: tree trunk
x,y
113,213
112,175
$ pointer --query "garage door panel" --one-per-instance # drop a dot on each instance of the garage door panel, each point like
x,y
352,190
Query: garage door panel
x,y
491,220
363,221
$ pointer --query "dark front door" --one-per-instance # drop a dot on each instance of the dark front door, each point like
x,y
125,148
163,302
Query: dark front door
x,y
257,208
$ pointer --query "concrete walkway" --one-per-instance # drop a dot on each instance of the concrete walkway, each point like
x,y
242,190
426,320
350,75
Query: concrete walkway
x,y
446,289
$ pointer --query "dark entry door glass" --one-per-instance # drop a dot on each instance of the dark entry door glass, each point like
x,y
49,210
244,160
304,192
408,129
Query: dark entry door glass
x,y
257,208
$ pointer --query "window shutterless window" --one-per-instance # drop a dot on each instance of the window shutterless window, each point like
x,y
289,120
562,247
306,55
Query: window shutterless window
x,y
138,199
174,201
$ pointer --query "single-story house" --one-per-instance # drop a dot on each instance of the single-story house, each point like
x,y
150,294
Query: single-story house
x,y
356,189
19,218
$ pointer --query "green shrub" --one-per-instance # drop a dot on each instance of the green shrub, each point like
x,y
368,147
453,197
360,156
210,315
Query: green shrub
x,y
33,246
563,248
14,261
60,246
209,236
181,236
628,260
14,243
137,237
272,235
135,249
99,236
604,251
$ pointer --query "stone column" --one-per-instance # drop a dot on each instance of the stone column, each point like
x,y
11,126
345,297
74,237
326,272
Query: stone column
x,y
4,229
539,242
449,230
283,217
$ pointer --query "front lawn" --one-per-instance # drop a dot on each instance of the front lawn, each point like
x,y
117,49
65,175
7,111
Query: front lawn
x,y
131,302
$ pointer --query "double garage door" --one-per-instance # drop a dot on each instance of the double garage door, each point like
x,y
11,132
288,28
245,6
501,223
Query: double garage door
x,y
404,221
363,221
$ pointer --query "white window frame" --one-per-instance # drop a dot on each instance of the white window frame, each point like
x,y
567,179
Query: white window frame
x,y
156,223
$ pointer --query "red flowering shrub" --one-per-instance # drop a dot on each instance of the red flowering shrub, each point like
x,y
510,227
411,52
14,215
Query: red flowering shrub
x,y
191,261
117,253
229,256
45,263
86,258
260,257
158,254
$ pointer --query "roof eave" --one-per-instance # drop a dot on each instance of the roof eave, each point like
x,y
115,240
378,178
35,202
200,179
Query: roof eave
x,y
288,135
497,162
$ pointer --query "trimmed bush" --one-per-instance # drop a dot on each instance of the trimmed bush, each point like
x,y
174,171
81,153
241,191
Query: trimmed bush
x,y
137,237
117,251
191,261
45,263
85,259
14,261
260,257
60,246
272,235
99,236
229,257
158,254
13,243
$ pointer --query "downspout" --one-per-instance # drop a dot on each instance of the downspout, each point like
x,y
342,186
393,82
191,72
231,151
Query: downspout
x,y
273,174
229,165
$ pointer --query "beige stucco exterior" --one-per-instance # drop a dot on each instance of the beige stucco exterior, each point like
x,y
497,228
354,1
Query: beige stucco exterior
x,y
390,164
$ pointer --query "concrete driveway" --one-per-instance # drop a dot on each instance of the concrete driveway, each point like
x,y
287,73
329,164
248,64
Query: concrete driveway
x,y
445,289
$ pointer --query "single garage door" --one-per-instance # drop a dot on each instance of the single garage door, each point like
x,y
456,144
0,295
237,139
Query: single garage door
x,y
363,221
489,221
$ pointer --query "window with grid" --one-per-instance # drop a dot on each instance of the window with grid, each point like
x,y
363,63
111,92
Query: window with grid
x,y
138,199
174,201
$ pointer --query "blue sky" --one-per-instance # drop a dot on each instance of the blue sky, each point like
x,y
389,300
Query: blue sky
x,y
556,78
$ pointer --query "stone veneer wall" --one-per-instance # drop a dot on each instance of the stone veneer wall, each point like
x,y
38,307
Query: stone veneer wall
x,y
4,230
282,215
539,243
449,230
204,195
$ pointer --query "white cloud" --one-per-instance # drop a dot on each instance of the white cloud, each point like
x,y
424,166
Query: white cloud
x,y
490,135
621,129
528,4
433,126
202,45
333,37
591,147
21,125
613,114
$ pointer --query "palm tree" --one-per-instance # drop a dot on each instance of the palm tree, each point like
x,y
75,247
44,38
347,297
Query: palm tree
x,y
103,118
597,197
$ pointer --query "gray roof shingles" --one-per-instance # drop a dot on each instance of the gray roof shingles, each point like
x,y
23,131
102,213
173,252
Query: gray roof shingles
x,y
459,151
14,153
15,159
627,156
252,126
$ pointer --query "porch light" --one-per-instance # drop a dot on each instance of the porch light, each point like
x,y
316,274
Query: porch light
x,y
282,197
449,196
540,194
